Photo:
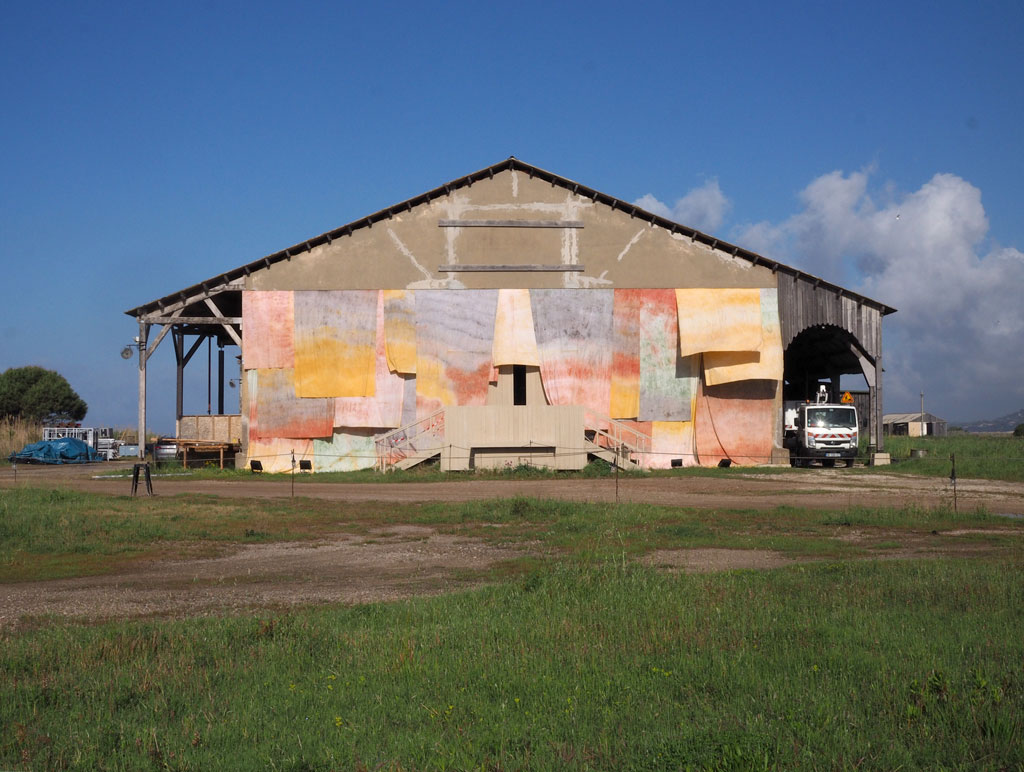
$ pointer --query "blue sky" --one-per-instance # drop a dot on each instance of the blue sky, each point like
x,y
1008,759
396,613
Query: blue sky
x,y
147,146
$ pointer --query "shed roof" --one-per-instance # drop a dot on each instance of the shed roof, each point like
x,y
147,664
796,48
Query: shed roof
x,y
910,418
512,163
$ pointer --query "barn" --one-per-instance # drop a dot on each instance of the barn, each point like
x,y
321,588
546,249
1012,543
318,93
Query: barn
x,y
513,316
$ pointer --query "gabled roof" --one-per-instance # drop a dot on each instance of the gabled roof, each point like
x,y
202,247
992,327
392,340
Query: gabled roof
x,y
911,418
232,277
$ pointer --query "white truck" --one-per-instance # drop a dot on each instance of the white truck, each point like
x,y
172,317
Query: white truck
x,y
821,431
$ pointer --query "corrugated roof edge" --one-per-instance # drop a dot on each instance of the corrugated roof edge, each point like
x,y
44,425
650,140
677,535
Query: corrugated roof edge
x,y
510,163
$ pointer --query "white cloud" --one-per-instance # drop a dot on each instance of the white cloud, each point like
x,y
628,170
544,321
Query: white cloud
x,y
703,208
959,333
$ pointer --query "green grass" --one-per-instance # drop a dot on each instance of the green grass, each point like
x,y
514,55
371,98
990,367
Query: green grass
x,y
977,456
46,534
874,665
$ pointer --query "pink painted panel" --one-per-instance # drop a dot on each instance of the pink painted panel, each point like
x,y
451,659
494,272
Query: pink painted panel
x,y
736,421
268,323
625,385
574,336
279,413
454,342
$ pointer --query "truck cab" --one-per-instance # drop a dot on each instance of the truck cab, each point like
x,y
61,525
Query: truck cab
x,y
821,431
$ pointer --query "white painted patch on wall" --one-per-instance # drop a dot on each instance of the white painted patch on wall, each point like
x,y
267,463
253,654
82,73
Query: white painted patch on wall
x,y
405,251
631,244
515,183
723,257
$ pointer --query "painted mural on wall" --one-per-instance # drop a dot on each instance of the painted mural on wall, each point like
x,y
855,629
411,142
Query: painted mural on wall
x,y
696,370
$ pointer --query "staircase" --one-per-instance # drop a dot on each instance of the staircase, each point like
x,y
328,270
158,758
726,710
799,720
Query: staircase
x,y
413,444
613,441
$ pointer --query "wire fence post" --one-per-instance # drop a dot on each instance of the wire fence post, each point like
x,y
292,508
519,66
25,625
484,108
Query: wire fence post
x,y
293,473
618,452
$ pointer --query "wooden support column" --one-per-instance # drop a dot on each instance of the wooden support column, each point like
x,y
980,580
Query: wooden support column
x,y
179,355
143,356
220,378
879,441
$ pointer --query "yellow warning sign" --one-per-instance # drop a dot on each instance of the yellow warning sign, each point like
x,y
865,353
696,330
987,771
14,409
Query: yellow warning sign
x,y
847,398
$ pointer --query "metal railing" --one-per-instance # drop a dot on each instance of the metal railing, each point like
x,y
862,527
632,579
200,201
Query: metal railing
x,y
412,441
616,433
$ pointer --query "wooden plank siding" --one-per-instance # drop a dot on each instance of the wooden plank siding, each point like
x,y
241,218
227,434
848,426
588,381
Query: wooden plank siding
x,y
803,305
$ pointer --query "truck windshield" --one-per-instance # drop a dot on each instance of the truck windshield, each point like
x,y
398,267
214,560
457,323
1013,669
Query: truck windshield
x,y
840,417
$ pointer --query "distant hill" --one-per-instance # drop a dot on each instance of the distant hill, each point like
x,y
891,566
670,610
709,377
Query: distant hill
x,y
1006,423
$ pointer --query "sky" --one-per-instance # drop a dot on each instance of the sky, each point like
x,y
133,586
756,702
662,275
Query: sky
x,y
147,146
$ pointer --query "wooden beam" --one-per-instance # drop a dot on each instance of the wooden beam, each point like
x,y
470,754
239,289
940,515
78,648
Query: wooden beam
x,y
222,320
510,224
187,300
227,326
507,268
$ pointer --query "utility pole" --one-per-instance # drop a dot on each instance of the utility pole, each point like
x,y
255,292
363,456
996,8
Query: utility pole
x,y
924,426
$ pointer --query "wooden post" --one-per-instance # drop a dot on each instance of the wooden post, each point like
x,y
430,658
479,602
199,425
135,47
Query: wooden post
x,y
179,358
220,378
143,335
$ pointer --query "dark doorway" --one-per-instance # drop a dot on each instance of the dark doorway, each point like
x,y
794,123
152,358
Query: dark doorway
x,y
518,384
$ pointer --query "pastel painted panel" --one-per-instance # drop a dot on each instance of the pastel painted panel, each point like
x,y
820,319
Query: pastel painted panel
x,y
767,364
335,343
719,320
384,408
668,381
454,341
346,451
252,382
400,330
625,385
268,323
671,440
736,421
515,342
279,413
574,335
276,454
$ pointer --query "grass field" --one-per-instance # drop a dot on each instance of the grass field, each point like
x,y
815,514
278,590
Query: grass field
x,y
50,534
580,658
602,666
977,456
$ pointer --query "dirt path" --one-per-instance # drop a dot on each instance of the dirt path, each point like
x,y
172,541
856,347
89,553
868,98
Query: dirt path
x,y
388,564
403,561
817,488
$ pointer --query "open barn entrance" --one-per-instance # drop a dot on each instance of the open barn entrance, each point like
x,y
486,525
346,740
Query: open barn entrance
x,y
824,354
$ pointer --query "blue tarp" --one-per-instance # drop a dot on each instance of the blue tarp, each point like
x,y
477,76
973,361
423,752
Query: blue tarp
x,y
66,450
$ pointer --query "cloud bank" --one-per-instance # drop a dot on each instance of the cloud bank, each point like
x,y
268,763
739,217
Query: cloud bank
x,y
703,208
959,331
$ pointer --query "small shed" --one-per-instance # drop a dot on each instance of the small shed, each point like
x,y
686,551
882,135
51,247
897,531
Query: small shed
x,y
913,425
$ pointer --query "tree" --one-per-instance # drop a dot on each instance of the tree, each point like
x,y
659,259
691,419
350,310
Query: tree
x,y
1019,431
38,394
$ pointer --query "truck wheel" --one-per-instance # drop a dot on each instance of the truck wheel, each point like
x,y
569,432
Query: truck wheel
x,y
849,463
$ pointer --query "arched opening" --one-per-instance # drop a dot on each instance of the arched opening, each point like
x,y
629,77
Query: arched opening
x,y
832,356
